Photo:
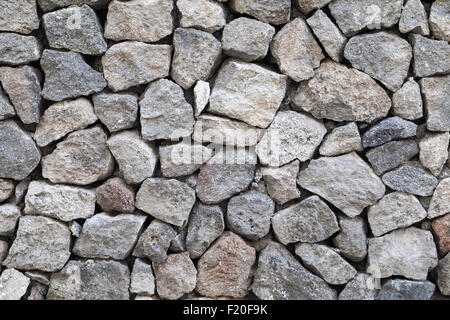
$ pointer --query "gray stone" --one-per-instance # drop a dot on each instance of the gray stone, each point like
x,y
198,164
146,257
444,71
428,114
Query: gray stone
x,y
407,101
50,5
260,93
19,155
6,108
436,92
131,63
399,289
62,118
75,228
174,121
281,183
440,202
205,15
247,39
439,23
340,93
406,252
393,128
142,278
65,203
166,199
306,6
136,158
90,280
431,57
414,18
359,288
206,224
9,215
434,151
392,154
13,285
273,12
21,190
23,86
6,189
17,49
395,210
443,274
358,185
82,158
19,16
67,76
310,220
3,251
202,91
41,243
351,240
196,56
412,180
279,276
296,51
343,139
116,195
130,20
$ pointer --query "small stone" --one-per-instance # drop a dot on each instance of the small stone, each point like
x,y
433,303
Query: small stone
x,y
19,155
3,251
130,20
178,244
291,136
41,243
37,291
434,151
359,288
38,276
406,252
392,154
23,86
136,158
440,202
328,34
247,39
166,199
117,111
399,289
306,6
393,128
296,51
351,240
226,268
412,180
75,228
439,23
407,101
281,183
273,12
67,76
130,63
116,195
340,93
50,5
62,118
436,93
196,56
17,49
155,241
82,158
62,28
206,224
279,276
308,221
6,108
443,274
414,18
65,203
226,174
260,93
358,185
341,140
9,215
90,280
174,121
142,279
431,57
13,285
175,277
21,190
6,189
202,91
104,236
441,228
19,16
206,15
395,210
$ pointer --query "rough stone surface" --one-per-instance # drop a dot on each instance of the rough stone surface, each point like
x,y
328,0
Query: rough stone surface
x,y
443,274
359,288
439,23
343,139
202,92
440,202
306,6
115,195
392,154
412,180
274,12
399,289
434,151
441,228
6,189
9,215
205,15
18,49
436,95
407,101
142,278
281,183
49,5
351,240
13,285
431,57
389,129
19,16
117,111
414,18
6,108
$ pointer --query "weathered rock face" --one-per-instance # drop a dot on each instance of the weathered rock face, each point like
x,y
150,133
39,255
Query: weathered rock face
x,y
399,289
393,128
280,276
351,240
7,188
6,108
142,278
440,202
18,49
49,5
9,215
117,111
307,6
441,227
343,139
358,185
443,274
412,180
359,288
202,92
116,195
13,285
281,183
392,154
407,101
205,15
431,57
19,16
342,94
434,151
274,12
414,18
436,95
439,20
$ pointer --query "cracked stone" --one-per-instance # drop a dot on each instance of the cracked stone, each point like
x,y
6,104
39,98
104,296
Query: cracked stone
x,y
392,154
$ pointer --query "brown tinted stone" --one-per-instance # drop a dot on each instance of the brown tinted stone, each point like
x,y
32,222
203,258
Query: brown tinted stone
x,y
441,228
116,195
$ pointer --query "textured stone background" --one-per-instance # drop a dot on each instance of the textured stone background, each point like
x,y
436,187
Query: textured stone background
x,y
272,149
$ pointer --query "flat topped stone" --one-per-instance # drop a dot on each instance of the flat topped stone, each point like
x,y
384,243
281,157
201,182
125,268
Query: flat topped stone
x,y
205,15
412,180
274,12
436,93
19,16
343,139
431,57
399,289
389,129
18,49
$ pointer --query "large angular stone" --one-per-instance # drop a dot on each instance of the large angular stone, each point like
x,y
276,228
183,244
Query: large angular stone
x,y
358,185
389,129
62,118
359,288
414,18
7,188
9,215
140,20
131,63
392,154
63,30
142,278
116,195
441,228
6,108
117,111
436,93
439,23
431,57
411,179
205,15
281,183
67,76
406,252
440,202
17,49
443,274
351,240
274,12
259,95
166,199
399,289
41,243
19,16
434,151
196,56
306,6
13,284
343,139
136,158
172,122
19,155
291,136
226,269
340,93
279,276
65,203
407,101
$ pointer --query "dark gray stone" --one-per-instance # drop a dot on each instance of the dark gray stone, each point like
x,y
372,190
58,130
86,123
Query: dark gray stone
x,y
412,180
389,129
392,154
398,289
